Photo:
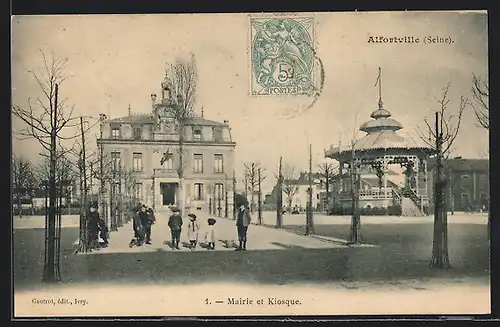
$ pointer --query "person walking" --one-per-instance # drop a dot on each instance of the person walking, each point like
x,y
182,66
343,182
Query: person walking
x,y
143,217
93,224
150,221
138,228
175,224
242,222
193,229
103,232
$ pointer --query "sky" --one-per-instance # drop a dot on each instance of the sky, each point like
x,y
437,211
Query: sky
x,y
118,60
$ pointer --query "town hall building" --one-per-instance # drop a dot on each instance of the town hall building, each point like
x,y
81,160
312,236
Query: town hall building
x,y
150,146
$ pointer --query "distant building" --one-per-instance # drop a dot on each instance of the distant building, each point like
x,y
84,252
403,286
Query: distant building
x,y
295,192
468,183
148,145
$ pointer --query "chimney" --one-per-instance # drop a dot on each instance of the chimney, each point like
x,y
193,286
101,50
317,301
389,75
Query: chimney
x,y
153,98
129,110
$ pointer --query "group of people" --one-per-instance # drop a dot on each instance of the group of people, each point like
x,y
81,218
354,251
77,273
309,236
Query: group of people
x,y
143,218
193,230
98,231
243,220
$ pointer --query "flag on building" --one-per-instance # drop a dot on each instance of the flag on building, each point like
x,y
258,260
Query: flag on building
x,y
166,156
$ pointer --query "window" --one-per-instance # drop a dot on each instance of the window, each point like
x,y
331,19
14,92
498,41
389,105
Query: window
x,y
218,163
116,188
219,191
198,191
115,160
137,133
217,133
168,164
465,200
115,133
138,191
137,162
198,163
197,135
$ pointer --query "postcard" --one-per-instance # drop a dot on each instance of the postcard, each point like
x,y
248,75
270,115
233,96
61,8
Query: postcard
x,y
250,164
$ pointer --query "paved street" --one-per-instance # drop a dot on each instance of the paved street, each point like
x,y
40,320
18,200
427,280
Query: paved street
x,y
397,262
259,237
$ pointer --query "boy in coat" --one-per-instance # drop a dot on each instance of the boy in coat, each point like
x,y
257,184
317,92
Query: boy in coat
x,y
149,221
242,222
93,222
175,224
138,229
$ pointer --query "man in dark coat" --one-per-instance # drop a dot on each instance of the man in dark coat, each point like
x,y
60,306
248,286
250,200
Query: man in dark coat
x,y
175,224
103,232
93,223
150,221
138,228
243,220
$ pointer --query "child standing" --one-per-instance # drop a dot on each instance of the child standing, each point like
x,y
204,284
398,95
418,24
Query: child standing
x,y
210,235
193,230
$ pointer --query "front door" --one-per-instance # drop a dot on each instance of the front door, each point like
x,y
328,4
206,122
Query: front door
x,y
168,192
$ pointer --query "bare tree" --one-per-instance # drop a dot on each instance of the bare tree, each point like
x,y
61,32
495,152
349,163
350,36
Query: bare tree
x,y
481,95
289,183
182,84
45,119
129,184
279,194
441,138
327,173
449,125
252,178
23,179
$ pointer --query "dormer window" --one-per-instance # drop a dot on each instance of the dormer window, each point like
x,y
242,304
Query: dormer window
x,y
217,133
137,133
115,133
197,134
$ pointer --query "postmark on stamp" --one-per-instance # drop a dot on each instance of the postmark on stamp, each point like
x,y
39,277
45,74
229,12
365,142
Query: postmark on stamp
x,y
282,56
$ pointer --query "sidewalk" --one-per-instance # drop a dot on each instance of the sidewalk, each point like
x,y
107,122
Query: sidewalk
x,y
259,237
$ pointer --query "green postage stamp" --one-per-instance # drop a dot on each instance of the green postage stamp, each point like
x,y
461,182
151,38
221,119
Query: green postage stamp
x,y
282,56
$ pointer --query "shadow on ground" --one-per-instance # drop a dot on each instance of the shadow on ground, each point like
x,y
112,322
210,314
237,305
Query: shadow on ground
x,y
404,254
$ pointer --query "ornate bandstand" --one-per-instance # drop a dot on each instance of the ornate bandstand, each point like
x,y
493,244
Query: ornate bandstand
x,y
373,154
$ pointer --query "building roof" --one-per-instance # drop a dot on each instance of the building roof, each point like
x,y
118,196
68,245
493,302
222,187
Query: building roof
x,y
148,119
134,119
374,181
378,141
381,135
204,122
464,165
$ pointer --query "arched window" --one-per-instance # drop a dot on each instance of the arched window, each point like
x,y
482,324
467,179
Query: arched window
x,y
197,134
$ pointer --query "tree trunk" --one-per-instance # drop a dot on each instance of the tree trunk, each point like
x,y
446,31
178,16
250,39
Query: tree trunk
x,y
279,197
259,199
19,211
49,274
327,186
440,258
355,235
180,170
